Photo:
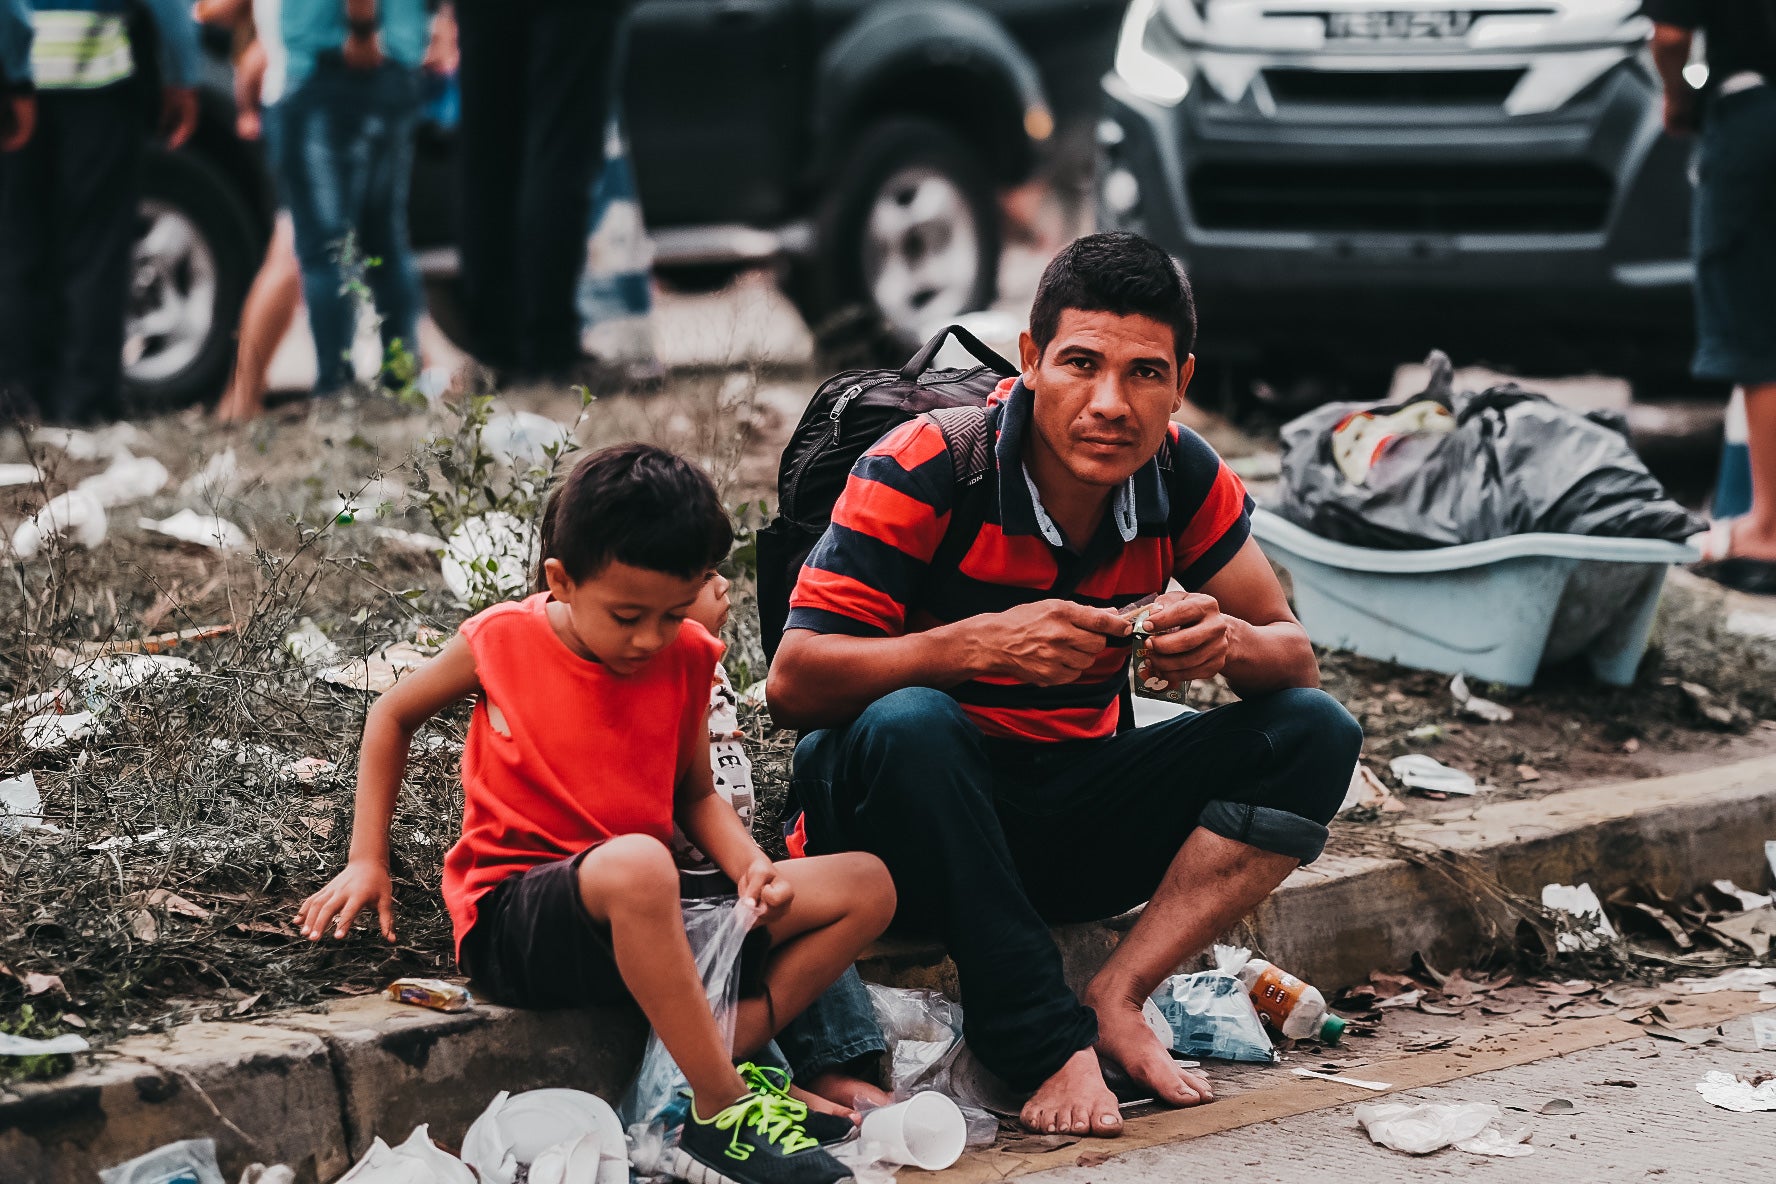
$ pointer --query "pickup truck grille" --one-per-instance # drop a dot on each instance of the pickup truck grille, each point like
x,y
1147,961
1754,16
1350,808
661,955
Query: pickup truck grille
x,y
1465,88
1555,197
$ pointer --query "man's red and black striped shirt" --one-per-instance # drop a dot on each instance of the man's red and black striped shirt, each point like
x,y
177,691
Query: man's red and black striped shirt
x,y
871,574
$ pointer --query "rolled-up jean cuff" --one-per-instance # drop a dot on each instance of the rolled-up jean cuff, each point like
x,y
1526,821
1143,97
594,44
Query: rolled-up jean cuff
x,y
1266,828
818,1059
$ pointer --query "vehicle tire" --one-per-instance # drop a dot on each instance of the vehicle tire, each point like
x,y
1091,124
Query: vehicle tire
x,y
908,232
197,251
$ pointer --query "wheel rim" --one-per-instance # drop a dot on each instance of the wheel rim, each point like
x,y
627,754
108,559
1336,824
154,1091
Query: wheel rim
x,y
172,304
921,249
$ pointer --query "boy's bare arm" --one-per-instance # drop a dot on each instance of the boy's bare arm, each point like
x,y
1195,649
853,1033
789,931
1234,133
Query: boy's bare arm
x,y
382,762
710,822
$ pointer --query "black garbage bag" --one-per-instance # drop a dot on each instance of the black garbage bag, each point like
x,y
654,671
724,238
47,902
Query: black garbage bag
x,y
1513,462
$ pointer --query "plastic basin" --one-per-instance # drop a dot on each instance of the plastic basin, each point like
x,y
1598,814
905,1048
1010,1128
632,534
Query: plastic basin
x,y
1497,610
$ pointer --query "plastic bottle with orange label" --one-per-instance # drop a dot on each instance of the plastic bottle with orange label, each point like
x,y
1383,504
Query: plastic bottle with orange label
x,y
1290,1006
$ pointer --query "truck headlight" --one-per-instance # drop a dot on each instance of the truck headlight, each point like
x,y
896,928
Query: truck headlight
x,y
1144,71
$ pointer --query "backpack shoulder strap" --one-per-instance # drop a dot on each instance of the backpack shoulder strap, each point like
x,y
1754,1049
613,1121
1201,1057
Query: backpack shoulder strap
x,y
969,439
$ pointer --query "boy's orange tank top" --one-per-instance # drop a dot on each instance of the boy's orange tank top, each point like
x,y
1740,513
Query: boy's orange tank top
x,y
562,753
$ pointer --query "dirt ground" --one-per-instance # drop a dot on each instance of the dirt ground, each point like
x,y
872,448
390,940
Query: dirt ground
x,y
186,831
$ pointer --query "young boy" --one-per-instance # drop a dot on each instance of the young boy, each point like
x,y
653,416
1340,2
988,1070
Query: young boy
x,y
588,742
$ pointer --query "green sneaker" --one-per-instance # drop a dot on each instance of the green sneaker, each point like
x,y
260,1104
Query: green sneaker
x,y
757,1140
769,1079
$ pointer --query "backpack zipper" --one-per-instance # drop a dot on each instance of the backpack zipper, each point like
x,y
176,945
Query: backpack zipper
x,y
832,436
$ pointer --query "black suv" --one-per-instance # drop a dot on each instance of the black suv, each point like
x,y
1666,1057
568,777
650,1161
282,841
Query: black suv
x,y
858,145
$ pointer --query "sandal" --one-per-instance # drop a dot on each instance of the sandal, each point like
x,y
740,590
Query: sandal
x,y
1738,572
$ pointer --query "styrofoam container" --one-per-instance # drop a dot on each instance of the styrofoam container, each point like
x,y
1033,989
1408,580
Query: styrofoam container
x,y
1497,610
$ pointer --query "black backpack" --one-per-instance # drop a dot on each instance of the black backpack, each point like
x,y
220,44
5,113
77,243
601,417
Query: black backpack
x,y
850,412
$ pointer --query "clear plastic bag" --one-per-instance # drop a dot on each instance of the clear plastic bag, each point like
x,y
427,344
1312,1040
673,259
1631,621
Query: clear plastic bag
x,y
923,1031
1211,1015
653,1110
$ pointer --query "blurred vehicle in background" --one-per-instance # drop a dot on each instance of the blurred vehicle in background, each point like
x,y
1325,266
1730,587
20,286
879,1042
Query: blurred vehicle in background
x,y
1354,182
859,146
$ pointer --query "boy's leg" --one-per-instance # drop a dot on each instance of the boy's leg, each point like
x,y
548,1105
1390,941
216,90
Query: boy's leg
x,y
382,222
98,183
842,903
631,884
313,171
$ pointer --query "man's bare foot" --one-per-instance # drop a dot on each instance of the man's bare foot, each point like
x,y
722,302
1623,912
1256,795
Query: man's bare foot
x,y
1075,1101
1125,1038
837,1092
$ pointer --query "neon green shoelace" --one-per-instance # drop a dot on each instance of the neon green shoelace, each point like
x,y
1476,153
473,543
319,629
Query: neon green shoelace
x,y
769,1079
772,1115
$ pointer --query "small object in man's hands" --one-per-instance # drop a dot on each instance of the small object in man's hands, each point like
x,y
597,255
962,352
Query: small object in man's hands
x,y
434,993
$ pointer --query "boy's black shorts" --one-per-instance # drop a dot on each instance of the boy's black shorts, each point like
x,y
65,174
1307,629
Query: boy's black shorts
x,y
533,944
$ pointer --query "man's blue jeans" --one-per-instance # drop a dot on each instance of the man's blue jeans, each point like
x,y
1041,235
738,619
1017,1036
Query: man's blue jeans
x,y
992,841
341,144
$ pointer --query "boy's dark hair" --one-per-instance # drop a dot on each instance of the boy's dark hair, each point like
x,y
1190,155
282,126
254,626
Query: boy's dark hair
x,y
639,505
1115,272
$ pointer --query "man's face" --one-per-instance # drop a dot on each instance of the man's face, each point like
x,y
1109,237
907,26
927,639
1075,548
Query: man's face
x,y
1105,389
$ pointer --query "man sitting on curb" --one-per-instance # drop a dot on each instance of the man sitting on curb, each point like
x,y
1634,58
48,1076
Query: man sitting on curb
x,y
967,718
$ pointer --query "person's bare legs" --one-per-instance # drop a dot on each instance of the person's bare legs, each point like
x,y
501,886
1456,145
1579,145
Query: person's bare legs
x,y
1754,536
631,884
267,315
1212,883
1074,1100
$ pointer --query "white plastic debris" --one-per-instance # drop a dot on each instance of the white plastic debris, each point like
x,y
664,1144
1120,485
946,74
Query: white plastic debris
x,y
1376,1086
517,1129
1419,1128
1418,771
26,1046
47,732
258,1173
1770,856
220,477
124,842
113,440
410,538
129,479
1580,903
522,440
206,530
74,515
21,805
1745,978
1492,1142
580,1161
309,646
1367,791
1737,1094
378,672
11,475
488,559
189,1161
417,1161
120,672
1747,900
1473,705
307,770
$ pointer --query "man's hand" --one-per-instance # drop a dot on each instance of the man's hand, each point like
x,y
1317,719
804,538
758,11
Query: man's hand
x,y
19,122
1192,638
1682,111
361,884
762,884
362,52
178,115
442,55
1047,644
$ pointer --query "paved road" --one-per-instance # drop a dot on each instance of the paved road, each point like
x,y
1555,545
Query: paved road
x,y
1659,1130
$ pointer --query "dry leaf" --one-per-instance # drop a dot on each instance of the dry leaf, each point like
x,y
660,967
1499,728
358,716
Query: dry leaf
x,y
1092,1159
1622,1082
72,1020
1430,1008
1037,1144
1409,999
322,827
1526,773
246,1005
172,902
144,926
37,984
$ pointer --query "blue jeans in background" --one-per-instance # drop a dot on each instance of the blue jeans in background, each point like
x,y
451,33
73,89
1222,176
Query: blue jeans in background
x,y
341,146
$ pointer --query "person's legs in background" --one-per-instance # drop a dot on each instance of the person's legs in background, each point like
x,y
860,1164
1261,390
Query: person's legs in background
x,y
382,217
317,124
97,184
27,201
564,127
494,79
1756,538
266,317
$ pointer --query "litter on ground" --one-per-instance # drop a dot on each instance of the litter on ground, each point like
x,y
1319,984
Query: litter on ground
x,y
1739,1094
1581,904
1470,704
203,530
1417,771
1419,1128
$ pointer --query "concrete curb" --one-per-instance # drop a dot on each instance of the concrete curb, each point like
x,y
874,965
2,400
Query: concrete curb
x,y
311,1090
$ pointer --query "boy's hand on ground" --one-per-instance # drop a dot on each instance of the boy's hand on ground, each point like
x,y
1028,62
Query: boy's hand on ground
x,y
1049,643
360,885
1192,638
762,884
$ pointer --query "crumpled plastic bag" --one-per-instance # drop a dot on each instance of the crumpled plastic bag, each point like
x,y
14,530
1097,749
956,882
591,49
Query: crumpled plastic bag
x,y
926,1051
191,1160
653,1111
1211,1014
1514,463
1419,1128
417,1161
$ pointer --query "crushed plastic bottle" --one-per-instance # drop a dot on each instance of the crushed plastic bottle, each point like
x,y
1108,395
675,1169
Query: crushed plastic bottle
x,y
1290,1006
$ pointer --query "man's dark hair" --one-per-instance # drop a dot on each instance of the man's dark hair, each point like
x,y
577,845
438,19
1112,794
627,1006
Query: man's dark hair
x,y
639,505
1115,272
